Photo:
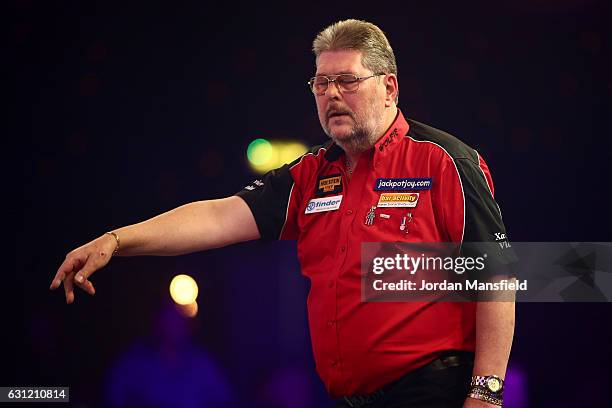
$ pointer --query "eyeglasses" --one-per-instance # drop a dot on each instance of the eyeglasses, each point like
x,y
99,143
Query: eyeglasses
x,y
346,82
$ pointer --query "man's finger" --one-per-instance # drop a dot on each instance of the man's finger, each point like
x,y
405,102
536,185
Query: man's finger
x,y
87,287
62,271
69,288
57,280
65,268
88,269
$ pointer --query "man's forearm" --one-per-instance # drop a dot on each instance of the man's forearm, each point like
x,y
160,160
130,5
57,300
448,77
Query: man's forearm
x,y
494,332
192,227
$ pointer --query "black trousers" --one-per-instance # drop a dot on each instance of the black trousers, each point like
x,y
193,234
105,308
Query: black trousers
x,y
425,388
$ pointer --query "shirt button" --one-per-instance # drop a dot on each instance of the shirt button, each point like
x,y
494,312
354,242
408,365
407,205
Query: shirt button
x,y
330,323
349,212
343,248
334,363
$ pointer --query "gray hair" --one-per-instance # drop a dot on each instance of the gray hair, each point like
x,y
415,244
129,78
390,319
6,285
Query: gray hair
x,y
377,54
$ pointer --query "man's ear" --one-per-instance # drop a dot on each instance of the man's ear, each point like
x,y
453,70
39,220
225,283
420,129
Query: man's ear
x,y
392,89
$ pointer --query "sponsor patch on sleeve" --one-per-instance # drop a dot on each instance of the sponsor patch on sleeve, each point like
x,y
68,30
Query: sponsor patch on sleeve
x,y
398,200
323,204
402,184
329,184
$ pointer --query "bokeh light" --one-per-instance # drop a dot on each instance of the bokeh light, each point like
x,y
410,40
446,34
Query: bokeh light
x,y
183,289
189,310
264,155
260,152
291,151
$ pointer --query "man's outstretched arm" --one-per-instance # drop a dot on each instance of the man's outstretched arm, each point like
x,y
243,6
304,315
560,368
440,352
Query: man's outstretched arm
x,y
190,228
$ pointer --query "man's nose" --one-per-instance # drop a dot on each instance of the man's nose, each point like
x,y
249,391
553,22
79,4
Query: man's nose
x,y
333,90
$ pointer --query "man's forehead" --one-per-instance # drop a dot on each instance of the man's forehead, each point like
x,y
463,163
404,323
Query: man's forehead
x,y
339,61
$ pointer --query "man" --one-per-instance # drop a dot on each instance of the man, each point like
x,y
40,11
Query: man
x,y
395,354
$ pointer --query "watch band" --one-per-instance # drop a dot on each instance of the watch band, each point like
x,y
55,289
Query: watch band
x,y
491,383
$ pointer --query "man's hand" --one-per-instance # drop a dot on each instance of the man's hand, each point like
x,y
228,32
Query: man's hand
x,y
189,228
476,403
81,263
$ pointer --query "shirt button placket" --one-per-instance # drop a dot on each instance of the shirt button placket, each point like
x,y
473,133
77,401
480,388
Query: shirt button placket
x,y
332,324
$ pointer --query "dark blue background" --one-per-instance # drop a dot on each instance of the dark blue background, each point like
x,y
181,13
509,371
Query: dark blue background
x,y
117,112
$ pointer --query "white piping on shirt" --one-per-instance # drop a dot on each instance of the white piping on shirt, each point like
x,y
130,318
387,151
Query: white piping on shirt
x,y
293,185
488,185
458,175
286,211
308,154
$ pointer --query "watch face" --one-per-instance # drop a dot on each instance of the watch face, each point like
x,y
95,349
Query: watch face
x,y
493,384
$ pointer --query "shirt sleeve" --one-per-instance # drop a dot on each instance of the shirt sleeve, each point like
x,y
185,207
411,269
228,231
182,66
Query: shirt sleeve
x,y
469,186
270,200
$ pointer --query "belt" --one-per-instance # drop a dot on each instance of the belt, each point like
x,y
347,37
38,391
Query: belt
x,y
446,360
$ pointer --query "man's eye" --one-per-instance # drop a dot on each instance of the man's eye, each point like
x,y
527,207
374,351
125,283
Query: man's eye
x,y
347,80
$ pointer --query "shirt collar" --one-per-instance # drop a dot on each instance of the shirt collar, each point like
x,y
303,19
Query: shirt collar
x,y
392,137
333,152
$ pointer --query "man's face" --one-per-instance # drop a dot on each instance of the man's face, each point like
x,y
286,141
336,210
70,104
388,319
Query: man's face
x,y
353,120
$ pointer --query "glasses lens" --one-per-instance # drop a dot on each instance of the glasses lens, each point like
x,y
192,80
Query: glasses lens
x,y
348,82
319,85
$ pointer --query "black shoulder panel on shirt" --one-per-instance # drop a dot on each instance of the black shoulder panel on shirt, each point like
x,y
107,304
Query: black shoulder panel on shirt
x,y
455,147
483,221
268,199
484,229
314,150
332,152
483,225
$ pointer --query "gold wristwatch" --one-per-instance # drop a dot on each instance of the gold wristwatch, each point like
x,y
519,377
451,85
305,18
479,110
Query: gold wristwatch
x,y
491,383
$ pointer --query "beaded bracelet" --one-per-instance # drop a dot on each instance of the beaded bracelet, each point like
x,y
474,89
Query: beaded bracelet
x,y
484,397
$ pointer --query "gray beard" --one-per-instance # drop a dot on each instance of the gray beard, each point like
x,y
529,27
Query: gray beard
x,y
358,141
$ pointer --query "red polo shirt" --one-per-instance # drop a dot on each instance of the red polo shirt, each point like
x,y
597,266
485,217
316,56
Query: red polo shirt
x,y
361,346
